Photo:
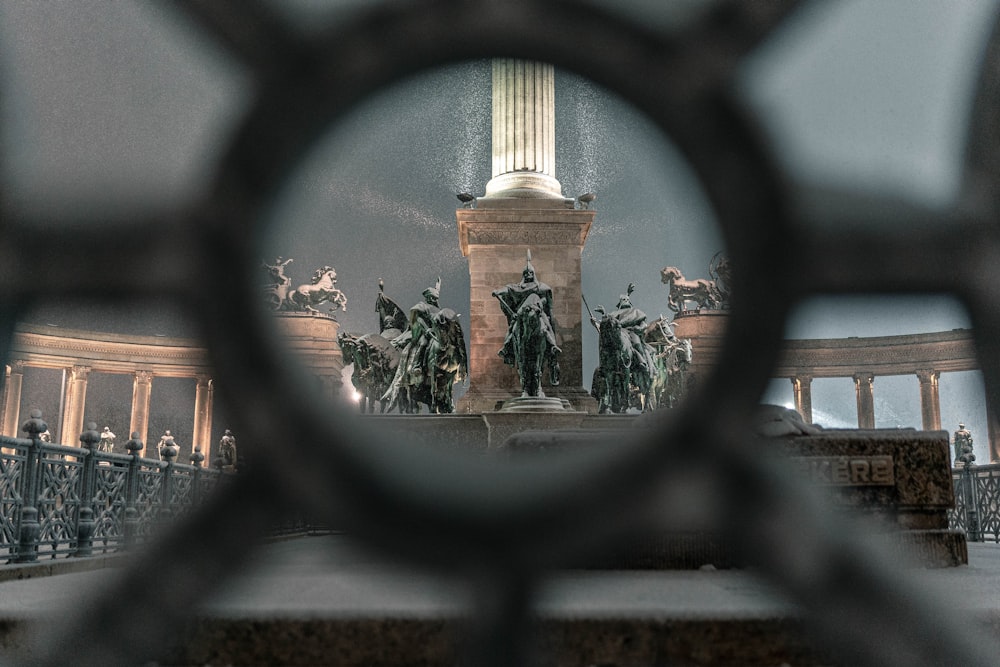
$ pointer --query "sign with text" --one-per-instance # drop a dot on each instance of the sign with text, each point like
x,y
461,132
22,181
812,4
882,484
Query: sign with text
x,y
846,470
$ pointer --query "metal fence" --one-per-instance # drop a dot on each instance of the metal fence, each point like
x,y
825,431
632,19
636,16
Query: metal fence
x,y
57,500
503,528
977,502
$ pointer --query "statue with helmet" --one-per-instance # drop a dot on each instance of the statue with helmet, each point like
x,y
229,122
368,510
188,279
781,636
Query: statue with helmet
x,y
432,357
625,375
530,342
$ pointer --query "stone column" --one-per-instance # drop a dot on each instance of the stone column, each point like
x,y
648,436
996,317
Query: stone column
x,y
864,388
993,433
73,409
13,380
802,395
203,398
930,402
523,209
524,136
141,390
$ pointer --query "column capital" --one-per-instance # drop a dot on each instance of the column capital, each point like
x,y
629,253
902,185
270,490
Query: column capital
x,y
143,376
79,371
16,366
863,376
927,375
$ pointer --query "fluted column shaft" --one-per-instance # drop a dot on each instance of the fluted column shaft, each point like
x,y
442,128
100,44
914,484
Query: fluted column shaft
x,y
864,388
203,398
524,138
802,394
76,400
12,397
930,401
141,389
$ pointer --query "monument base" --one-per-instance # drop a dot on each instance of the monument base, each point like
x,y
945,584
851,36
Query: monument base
x,y
311,341
478,400
536,404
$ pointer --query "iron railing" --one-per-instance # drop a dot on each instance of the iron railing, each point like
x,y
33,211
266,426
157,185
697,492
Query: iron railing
x,y
58,501
505,527
977,502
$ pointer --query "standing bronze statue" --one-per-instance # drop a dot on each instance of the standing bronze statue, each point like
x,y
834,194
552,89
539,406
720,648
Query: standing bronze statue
x,y
227,450
531,340
432,357
963,445
107,443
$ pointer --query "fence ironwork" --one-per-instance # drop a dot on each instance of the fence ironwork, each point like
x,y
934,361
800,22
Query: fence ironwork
x,y
60,501
977,502
506,528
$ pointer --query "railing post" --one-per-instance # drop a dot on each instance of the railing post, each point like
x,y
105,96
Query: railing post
x,y
168,453
85,518
131,528
966,457
27,544
196,460
973,533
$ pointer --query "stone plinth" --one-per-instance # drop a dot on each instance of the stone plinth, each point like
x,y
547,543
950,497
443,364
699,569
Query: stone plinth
x,y
311,340
706,329
495,237
899,478
494,430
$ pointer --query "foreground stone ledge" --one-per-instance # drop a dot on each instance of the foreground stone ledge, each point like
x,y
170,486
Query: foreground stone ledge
x,y
900,479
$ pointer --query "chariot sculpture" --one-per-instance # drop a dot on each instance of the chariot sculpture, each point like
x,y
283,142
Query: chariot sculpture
x,y
321,288
705,294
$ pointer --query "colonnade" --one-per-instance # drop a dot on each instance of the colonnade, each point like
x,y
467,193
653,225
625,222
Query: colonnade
x,y
925,356
71,421
78,354
864,389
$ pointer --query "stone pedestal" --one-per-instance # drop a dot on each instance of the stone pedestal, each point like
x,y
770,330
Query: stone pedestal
x,y
311,340
496,236
705,329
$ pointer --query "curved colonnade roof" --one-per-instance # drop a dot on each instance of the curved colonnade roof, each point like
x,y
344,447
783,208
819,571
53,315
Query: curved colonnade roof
x,y
56,347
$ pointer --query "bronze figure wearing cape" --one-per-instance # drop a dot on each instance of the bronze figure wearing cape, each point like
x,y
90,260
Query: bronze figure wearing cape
x,y
531,341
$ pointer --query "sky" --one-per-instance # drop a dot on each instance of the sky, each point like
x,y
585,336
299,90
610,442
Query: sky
x,y
120,103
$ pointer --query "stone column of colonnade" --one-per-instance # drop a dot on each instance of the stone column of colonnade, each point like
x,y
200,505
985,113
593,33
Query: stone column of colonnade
x,y
802,395
13,380
993,432
74,405
203,398
930,400
139,422
864,382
